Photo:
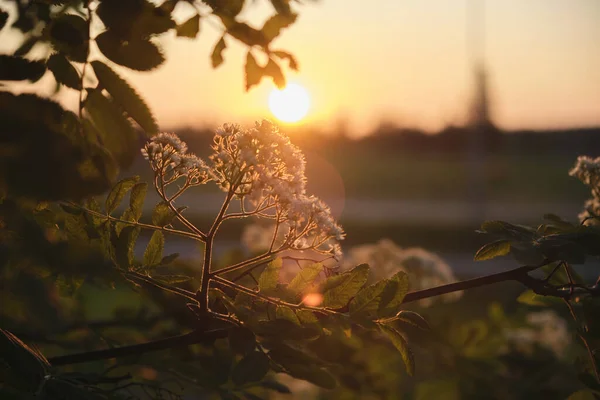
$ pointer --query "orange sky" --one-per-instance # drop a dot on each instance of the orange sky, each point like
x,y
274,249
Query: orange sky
x,y
403,61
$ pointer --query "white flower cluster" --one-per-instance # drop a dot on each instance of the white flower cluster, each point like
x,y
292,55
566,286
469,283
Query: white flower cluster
x,y
546,329
263,169
587,170
424,269
262,166
168,157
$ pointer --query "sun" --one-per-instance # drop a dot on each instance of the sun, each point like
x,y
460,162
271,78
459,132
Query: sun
x,y
290,104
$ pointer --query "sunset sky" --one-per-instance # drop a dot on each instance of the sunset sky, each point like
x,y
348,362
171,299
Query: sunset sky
x,y
400,61
403,61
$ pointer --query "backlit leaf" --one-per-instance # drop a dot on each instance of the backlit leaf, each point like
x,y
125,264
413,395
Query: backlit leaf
x,y
64,72
366,302
338,290
492,250
400,343
154,251
305,278
125,246
269,278
126,97
19,69
254,72
217,55
162,214
189,28
118,192
283,312
393,294
136,199
137,54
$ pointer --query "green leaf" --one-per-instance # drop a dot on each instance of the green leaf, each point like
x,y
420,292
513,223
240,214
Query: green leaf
x,y
136,200
189,28
169,259
64,72
154,251
393,294
126,97
217,55
269,278
284,55
19,69
305,278
283,312
508,231
412,318
69,35
400,343
137,54
251,368
366,302
273,70
306,317
118,192
116,131
274,385
242,340
583,394
126,245
254,72
492,250
275,24
338,290
162,214
531,298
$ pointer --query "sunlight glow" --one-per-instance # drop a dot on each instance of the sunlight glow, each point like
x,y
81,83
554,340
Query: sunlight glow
x,y
290,104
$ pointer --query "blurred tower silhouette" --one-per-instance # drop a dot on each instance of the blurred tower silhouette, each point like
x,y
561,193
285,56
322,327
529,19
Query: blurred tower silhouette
x,y
481,130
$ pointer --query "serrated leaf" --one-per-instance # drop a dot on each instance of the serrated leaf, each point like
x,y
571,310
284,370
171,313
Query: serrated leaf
x,y
284,55
393,294
366,302
251,368
64,72
125,246
400,343
125,96
305,278
162,214
338,290
69,35
135,19
136,199
275,24
492,250
169,259
269,278
241,340
254,72
19,69
306,317
273,70
116,132
217,54
137,54
189,28
118,192
531,298
154,250
283,312
412,318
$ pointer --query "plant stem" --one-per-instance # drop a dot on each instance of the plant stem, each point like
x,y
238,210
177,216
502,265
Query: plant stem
x,y
187,339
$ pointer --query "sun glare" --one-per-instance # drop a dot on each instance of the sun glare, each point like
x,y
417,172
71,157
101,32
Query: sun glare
x,y
290,104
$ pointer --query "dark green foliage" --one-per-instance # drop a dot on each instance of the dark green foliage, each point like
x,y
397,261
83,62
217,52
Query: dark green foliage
x,y
69,35
64,72
217,54
125,96
139,54
154,251
338,290
20,69
189,28
269,278
400,343
251,368
118,192
115,130
162,214
491,250
43,155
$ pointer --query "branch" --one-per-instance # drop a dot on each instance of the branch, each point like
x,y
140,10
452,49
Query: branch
x,y
187,339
